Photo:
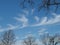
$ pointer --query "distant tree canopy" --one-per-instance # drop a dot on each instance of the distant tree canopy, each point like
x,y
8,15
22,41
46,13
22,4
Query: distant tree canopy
x,y
8,38
41,4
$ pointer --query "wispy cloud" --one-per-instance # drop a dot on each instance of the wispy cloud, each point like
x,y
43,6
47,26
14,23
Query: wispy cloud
x,y
9,27
42,31
37,18
23,19
29,35
45,20
12,27
24,22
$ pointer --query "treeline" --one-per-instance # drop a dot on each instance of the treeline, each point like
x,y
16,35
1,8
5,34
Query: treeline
x,y
8,38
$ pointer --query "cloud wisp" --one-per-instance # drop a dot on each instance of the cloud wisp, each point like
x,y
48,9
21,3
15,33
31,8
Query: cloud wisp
x,y
9,27
45,20
25,22
37,18
42,31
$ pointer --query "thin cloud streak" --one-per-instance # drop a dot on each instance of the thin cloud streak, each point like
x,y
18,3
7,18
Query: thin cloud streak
x,y
25,22
45,20
23,19
42,31
37,18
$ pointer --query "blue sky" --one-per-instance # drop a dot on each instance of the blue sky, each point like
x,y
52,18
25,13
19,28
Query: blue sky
x,y
25,22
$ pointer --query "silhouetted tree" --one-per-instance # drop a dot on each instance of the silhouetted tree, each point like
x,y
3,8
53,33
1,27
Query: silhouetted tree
x,y
8,38
45,39
29,41
51,40
57,39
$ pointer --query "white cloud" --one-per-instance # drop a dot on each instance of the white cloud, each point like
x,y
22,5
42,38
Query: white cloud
x,y
45,20
42,31
29,35
54,20
12,27
24,21
9,27
37,18
54,14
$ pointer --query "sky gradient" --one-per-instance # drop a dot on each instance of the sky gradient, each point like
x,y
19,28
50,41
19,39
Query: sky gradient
x,y
25,22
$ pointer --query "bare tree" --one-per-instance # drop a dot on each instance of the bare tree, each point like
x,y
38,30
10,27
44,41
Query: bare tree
x,y
51,40
40,4
29,41
57,39
45,39
8,38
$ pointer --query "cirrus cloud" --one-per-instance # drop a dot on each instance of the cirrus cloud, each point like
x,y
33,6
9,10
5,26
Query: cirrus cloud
x,y
45,20
25,22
